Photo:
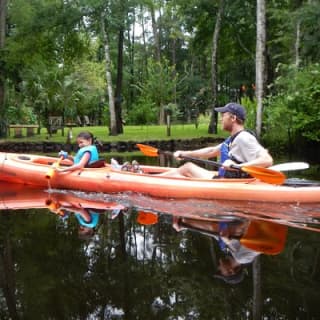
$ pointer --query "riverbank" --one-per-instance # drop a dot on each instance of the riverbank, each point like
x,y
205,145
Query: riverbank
x,y
115,146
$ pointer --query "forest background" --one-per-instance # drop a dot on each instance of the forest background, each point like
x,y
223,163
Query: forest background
x,y
136,62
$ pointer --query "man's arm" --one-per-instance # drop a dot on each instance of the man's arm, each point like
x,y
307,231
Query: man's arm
x,y
203,153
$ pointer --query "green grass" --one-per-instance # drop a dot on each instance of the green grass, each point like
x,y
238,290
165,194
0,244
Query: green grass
x,y
131,133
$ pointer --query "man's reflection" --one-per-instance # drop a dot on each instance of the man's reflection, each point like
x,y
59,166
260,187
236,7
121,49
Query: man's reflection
x,y
240,241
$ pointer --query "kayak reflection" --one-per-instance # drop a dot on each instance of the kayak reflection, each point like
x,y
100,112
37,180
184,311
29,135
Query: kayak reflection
x,y
86,211
239,240
15,196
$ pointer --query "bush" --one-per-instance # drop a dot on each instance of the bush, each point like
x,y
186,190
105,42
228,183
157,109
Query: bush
x,y
144,112
293,109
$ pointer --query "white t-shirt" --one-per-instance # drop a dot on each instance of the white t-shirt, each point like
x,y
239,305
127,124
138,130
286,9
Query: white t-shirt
x,y
240,253
245,147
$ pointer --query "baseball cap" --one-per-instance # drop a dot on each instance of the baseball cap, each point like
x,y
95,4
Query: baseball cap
x,y
234,108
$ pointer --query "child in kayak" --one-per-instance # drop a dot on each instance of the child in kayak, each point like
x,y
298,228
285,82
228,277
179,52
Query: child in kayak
x,y
87,153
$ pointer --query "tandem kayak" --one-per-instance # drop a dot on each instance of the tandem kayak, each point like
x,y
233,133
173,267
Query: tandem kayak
x,y
18,196
33,169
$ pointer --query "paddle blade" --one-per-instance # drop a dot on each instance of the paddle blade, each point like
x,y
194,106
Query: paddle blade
x,y
265,175
147,218
148,150
290,166
265,236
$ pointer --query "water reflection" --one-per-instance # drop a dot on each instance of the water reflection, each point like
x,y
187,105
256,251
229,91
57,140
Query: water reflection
x,y
240,240
154,258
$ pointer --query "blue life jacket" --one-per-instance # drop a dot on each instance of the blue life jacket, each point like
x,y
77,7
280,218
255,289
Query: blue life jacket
x,y
92,149
224,155
223,246
92,223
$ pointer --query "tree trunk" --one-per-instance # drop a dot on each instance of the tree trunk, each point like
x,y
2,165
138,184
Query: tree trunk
x,y
113,124
155,35
131,40
260,62
118,92
145,51
174,48
297,44
3,14
214,68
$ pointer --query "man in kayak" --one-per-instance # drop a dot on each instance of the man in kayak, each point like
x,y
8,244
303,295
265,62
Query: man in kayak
x,y
87,153
240,148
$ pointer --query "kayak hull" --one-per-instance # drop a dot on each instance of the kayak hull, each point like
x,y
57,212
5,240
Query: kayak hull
x,y
32,170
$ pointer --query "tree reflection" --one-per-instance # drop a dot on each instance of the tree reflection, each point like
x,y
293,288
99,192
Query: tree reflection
x,y
130,270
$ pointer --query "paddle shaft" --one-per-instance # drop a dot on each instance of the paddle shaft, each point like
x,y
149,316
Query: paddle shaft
x,y
204,161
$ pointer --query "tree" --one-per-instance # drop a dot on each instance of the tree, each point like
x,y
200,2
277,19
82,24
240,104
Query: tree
x,y
159,88
119,81
214,71
3,14
260,62
113,122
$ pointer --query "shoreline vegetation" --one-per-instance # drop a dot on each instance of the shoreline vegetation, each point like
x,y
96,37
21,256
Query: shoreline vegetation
x,y
183,136
131,133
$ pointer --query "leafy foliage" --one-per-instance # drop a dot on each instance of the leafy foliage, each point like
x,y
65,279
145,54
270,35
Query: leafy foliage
x,y
293,109
53,57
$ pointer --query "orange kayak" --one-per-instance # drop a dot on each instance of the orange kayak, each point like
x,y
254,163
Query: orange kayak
x,y
33,169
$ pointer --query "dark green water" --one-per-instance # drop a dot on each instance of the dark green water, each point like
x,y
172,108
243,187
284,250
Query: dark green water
x,y
132,271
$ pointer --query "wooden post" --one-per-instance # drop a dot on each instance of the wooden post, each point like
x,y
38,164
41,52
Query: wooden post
x,y
168,125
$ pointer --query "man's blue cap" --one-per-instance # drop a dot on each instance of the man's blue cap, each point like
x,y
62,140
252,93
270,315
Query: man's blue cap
x,y
237,109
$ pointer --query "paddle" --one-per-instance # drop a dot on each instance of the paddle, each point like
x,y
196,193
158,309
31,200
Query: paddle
x,y
51,171
263,174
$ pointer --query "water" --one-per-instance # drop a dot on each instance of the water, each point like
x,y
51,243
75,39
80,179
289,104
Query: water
x,y
145,263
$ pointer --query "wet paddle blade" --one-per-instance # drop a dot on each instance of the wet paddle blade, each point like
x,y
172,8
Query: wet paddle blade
x,y
148,150
265,175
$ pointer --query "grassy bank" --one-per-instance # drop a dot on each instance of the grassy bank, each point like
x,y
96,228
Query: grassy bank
x,y
131,133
